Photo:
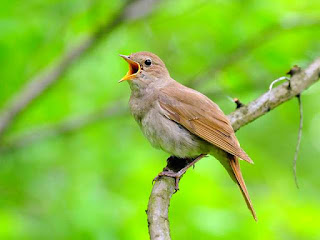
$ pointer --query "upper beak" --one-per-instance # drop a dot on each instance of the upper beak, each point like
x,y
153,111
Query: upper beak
x,y
134,68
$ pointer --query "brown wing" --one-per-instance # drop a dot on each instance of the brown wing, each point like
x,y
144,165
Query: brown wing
x,y
201,116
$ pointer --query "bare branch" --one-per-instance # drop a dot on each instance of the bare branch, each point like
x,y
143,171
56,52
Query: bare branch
x,y
271,99
44,80
158,207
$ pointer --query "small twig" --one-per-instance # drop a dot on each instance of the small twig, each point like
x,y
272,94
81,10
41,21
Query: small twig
x,y
278,80
294,70
237,101
298,141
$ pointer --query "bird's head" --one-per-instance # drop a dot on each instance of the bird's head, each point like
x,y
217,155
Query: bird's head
x,y
144,68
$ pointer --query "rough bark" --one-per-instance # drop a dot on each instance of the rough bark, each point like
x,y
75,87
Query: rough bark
x,y
269,100
158,207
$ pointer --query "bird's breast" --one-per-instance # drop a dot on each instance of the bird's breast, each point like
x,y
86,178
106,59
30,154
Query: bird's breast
x,y
164,133
140,106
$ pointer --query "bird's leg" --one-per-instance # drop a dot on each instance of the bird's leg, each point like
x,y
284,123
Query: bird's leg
x,y
176,172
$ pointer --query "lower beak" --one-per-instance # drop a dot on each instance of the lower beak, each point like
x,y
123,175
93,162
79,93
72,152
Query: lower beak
x,y
134,68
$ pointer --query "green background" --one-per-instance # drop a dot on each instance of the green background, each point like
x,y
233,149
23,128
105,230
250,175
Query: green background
x,y
94,183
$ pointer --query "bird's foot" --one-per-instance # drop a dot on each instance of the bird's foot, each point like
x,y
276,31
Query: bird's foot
x,y
169,173
177,174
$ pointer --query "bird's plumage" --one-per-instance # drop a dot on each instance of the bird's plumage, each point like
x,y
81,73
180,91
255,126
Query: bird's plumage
x,y
180,120
201,116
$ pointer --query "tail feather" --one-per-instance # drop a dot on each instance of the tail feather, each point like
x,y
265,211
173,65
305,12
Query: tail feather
x,y
235,166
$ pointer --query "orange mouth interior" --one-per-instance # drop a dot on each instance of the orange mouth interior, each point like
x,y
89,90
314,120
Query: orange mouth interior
x,y
134,68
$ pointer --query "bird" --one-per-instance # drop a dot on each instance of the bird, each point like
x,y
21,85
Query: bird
x,y
181,121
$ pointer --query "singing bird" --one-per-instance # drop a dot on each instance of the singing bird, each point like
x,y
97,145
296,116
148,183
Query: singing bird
x,y
181,121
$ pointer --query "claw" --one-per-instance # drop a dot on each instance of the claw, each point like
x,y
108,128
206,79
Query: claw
x,y
156,178
177,180
177,176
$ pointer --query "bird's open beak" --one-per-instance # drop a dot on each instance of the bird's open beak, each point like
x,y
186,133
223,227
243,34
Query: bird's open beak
x,y
134,68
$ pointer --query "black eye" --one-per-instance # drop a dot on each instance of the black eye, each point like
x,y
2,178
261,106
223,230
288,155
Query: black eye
x,y
147,62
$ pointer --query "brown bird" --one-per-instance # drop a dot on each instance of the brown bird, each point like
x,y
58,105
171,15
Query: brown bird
x,y
180,120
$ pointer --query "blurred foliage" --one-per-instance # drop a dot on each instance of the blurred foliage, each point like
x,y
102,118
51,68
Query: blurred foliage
x,y
95,183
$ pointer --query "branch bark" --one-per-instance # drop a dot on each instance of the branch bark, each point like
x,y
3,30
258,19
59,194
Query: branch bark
x,y
158,208
132,9
269,100
163,189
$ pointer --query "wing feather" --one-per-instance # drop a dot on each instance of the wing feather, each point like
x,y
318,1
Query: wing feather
x,y
201,116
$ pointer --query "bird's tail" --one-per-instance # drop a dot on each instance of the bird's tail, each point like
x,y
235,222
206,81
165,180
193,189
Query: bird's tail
x,y
237,176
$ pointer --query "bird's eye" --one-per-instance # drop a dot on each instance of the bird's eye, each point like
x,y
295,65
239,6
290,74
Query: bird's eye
x,y
147,62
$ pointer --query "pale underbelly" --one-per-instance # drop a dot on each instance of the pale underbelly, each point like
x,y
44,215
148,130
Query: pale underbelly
x,y
171,137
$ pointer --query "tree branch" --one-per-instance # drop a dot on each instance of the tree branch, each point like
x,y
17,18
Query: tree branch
x,y
158,207
132,9
163,189
269,100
